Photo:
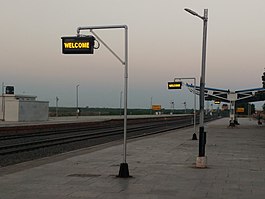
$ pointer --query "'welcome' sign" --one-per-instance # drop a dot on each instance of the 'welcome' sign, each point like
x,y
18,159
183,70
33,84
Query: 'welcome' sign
x,y
78,45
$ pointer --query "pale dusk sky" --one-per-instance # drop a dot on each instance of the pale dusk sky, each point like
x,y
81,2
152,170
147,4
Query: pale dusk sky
x,y
164,42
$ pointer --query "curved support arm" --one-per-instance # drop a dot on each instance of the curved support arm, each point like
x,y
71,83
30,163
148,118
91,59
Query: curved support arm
x,y
100,27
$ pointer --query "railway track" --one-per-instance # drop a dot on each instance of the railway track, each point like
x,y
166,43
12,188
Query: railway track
x,y
14,145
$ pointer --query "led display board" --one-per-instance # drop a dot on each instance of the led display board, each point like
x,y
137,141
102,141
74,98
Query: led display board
x,y
240,110
78,45
174,85
156,107
217,102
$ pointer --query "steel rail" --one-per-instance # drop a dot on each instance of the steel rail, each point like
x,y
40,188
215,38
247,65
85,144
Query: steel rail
x,y
31,145
156,128
58,131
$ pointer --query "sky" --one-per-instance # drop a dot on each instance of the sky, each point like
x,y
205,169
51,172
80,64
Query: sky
x,y
165,42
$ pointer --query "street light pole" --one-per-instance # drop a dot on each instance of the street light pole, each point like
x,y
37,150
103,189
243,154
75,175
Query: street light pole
x,y
120,102
3,101
151,104
77,110
201,160
57,99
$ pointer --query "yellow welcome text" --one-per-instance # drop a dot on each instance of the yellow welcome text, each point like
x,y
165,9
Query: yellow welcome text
x,y
78,45
174,85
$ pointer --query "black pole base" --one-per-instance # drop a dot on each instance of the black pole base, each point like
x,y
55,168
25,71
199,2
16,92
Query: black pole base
x,y
124,171
202,141
194,136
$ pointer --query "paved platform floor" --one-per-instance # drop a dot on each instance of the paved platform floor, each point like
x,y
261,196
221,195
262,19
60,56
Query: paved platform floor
x,y
162,167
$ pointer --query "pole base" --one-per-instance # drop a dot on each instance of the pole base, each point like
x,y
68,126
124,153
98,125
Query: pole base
x,y
194,136
124,171
201,162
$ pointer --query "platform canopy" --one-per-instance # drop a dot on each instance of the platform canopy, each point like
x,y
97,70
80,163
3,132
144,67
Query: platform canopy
x,y
216,94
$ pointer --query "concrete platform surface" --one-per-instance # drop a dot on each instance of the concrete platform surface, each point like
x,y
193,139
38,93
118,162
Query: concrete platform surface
x,y
162,166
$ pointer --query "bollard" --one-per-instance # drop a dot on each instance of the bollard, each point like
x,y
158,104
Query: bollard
x,y
124,171
194,136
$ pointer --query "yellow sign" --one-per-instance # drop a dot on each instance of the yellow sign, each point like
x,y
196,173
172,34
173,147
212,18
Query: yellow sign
x,y
174,85
156,107
240,110
76,45
217,102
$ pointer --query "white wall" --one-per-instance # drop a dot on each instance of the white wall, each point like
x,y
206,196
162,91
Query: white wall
x,y
33,111
23,108
12,107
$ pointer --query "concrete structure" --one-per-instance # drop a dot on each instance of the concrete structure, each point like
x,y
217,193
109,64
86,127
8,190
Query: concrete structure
x,y
23,108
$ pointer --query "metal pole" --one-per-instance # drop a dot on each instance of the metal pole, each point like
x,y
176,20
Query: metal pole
x,y
151,106
100,27
201,160
202,136
57,99
77,110
125,94
100,40
124,171
3,100
120,102
194,137
172,107
194,112
249,110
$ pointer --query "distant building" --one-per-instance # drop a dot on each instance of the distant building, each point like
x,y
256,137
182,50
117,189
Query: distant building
x,y
22,108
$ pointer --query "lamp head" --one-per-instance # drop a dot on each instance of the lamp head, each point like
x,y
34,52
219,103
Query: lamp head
x,y
191,11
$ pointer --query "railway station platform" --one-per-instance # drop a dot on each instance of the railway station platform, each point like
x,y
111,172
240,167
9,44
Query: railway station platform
x,y
162,166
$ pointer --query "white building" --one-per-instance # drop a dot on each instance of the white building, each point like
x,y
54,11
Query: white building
x,y
22,108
